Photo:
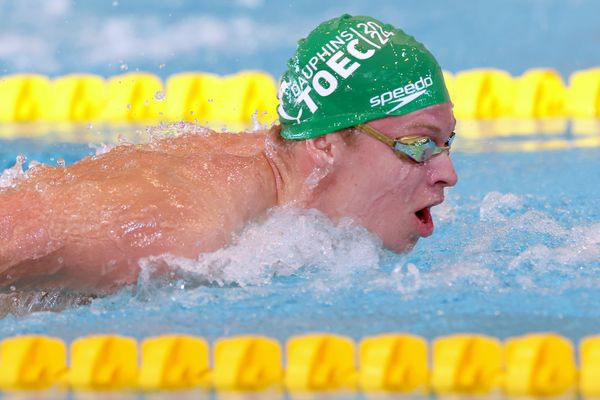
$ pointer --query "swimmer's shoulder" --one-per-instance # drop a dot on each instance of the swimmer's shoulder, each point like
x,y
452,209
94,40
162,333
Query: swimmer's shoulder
x,y
242,144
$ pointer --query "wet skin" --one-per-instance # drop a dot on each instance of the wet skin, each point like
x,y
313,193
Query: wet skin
x,y
383,192
85,226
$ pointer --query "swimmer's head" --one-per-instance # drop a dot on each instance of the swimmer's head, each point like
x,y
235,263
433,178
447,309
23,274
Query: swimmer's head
x,y
351,70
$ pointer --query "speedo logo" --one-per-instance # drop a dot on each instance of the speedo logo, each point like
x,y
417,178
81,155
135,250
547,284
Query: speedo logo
x,y
402,95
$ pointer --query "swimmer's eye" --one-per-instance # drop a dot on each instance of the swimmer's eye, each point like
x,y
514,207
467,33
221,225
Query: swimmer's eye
x,y
418,149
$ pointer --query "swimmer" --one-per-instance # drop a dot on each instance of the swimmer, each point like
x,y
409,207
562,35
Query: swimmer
x,y
365,127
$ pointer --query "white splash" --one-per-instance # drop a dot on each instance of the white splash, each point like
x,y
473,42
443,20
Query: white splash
x,y
101,148
406,278
289,241
11,175
446,211
582,245
515,244
495,204
175,129
475,274
257,126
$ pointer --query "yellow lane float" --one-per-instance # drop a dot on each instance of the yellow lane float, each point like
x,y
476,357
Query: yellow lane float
x,y
24,98
530,365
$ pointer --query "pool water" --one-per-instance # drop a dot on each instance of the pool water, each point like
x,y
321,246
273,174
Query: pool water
x,y
516,250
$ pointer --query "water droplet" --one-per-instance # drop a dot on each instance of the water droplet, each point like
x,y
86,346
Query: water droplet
x,y
211,100
161,66
160,95
60,162
90,126
129,106
124,67
12,288
146,102
115,3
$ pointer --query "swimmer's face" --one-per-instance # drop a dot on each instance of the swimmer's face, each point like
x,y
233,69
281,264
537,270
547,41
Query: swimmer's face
x,y
392,196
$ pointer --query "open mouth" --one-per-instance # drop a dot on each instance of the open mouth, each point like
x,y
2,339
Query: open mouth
x,y
424,215
425,226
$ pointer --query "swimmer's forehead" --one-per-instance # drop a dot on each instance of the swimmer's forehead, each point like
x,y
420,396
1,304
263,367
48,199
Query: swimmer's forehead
x,y
429,129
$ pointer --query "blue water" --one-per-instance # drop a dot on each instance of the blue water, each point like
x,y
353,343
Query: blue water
x,y
516,249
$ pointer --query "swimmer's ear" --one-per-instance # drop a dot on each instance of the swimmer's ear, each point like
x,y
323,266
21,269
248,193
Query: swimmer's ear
x,y
323,149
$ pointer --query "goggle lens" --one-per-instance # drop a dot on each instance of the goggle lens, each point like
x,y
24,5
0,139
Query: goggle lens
x,y
416,148
421,148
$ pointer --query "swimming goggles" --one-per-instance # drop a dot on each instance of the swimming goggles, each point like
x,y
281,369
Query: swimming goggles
x,y
416,148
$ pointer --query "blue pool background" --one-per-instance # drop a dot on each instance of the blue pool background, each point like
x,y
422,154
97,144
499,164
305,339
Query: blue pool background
x,y
517,244
108,37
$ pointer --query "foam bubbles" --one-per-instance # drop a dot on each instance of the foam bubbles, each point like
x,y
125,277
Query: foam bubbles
x,y
11,175
406,278
514,246
288,242
175,129
445,212
257,126
498,206
519,242
101,148
567,265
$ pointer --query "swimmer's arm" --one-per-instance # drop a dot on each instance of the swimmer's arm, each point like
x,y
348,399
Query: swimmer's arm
x,y
24,230
40,221
86,229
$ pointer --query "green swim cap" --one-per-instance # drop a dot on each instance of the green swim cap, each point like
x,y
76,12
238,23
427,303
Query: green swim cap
x,y
351,70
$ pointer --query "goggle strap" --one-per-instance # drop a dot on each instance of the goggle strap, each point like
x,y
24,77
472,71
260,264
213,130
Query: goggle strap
x,y
375,134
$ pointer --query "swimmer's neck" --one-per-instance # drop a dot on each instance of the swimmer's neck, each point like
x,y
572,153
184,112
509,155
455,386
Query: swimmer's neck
x,y
290,171
277,178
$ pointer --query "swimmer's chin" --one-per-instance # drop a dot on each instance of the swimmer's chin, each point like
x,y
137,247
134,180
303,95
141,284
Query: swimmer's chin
x,y
404,247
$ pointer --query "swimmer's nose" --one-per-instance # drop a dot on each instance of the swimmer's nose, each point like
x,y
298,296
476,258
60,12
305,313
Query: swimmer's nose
x,y
442,170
